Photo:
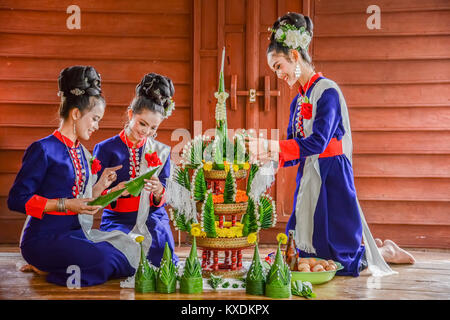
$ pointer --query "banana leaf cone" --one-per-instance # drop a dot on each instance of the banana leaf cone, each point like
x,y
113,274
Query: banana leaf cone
x,y
145,277
192,280
278,282
166,279
255,281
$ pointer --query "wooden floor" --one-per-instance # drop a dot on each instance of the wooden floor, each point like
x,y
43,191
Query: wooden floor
x,y
427,279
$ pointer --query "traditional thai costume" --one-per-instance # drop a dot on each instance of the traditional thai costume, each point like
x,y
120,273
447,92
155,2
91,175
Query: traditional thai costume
x,y
326,216
141,213
54,241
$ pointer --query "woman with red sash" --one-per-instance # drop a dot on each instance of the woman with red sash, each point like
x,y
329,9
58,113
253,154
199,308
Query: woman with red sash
x,y
136,150
327,218
53,187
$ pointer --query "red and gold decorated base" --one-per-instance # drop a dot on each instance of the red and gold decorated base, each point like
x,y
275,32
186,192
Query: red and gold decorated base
x,y
222,256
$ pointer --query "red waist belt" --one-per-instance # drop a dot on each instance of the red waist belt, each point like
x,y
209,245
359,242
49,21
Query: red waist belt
x,y
334,148
126,204
60,213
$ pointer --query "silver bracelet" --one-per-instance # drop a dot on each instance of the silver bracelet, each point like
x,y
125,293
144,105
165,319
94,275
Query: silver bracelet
x,y
61,206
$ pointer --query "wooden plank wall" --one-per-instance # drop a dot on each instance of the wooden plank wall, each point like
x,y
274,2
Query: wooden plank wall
x,y
396,83
122,39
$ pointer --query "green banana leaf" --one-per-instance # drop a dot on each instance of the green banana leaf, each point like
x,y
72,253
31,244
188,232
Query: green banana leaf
x,y
106,199
134,187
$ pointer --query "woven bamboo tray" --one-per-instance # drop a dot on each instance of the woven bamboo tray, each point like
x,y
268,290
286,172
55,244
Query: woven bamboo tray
x,y
222,243
226,208
222,174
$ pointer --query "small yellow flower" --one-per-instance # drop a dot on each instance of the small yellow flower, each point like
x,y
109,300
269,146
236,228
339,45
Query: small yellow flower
x,y
226,166
139,239
235,167
246,166
281,237
207,166
251,238
196,232
203,234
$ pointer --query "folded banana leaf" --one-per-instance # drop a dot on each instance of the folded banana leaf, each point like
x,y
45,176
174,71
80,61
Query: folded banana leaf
x,y
134,187
106,199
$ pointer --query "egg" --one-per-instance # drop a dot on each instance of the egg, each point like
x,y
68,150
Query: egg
x,y
318,268
303,267
330,267
331,262
323,263
312,262
303,260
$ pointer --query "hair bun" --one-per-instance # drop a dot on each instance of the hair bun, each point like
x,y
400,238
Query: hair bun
x,y
80,80
157,88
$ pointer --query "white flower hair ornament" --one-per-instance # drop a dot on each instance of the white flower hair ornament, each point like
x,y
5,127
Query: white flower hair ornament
x,y
291,37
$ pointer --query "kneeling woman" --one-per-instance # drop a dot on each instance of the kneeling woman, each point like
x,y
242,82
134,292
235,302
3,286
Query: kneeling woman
x,y
134,149
56,182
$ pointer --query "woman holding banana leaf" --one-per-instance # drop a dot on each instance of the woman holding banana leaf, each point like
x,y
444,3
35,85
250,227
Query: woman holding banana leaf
x,y
54,187
137,151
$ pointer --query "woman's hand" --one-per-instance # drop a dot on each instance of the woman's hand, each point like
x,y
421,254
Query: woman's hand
x,y
108,176
154,186
262,149
121,185
81,206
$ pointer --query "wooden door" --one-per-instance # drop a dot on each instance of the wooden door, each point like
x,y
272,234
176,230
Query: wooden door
x,y
241,27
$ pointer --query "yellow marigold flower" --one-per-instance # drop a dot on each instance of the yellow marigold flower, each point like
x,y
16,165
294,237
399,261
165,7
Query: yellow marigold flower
x,y
203,234
207,166
235,167
251,238
195,225
281,237
139,239
246,166
196,231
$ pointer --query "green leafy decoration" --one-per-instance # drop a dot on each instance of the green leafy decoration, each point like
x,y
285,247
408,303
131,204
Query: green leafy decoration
x,y
249,219
193,267
302,289
145,277
255,272
166,276
279,274
253,170
214,281
182,177
229,192
199,185
209,224
181,222
265,212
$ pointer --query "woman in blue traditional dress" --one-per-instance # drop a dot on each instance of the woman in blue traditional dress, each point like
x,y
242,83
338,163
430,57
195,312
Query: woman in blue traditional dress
x,y
133,148
327,219
54,185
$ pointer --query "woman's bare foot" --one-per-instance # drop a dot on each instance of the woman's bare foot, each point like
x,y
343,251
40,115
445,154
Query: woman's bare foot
x,y
30,268
379,242
392,253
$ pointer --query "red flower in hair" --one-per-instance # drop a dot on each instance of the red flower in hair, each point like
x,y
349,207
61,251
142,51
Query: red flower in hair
x,y
306,110
152,159
96,166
